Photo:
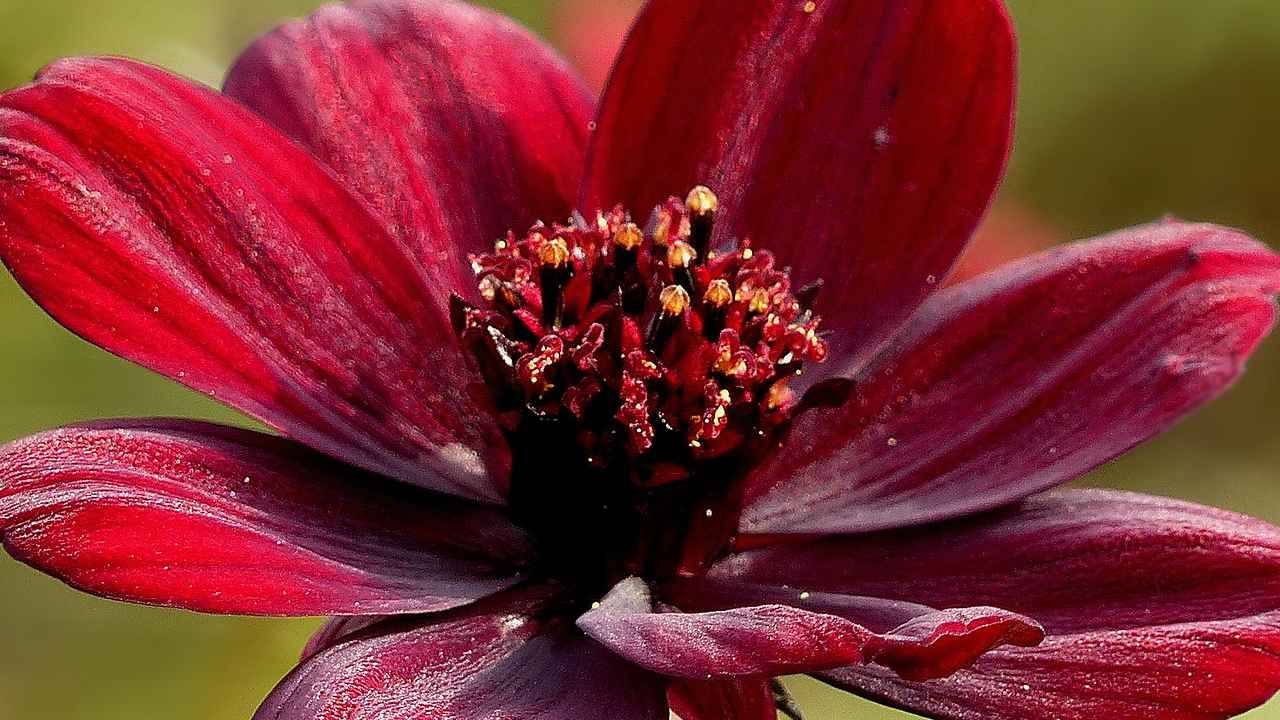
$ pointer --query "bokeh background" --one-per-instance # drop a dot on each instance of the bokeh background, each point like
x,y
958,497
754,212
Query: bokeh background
x,y
1128,111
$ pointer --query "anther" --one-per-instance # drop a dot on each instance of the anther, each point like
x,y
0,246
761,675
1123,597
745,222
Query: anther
x,y
660,228
554,275
627,241
702,205
716,302
760,302
680,258
672,303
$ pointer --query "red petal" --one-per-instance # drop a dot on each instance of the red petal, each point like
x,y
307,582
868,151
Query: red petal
x,y
165,223
1151,605
216,519
860,141
780,639
454,123
1074,560
1026,378
727,699
1184,672
503,658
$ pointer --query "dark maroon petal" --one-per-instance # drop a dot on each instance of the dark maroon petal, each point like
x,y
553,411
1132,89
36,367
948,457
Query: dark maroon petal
x,y
169,225
860,140
217,519
1024,379
502,658
1206,671
1076,561
704,593
780,639
1155,608
454,123
724,699
337,630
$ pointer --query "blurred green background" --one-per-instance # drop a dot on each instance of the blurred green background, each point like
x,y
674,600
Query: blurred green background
x,y
1128,111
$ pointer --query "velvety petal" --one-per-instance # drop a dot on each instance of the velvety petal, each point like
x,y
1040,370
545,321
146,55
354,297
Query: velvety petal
x,y
1154,607
507,657
781,639
167,224
218,519
1205,671
724,699
1024,379
860,140
452,122
337,630
1076,561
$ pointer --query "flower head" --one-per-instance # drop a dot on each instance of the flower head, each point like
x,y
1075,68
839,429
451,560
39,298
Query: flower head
x,y
594,418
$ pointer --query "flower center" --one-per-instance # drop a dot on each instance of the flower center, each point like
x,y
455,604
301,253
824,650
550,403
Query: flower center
x,y
640,357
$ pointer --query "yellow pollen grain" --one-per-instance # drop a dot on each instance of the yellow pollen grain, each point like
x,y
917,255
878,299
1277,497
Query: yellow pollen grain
x,y
674,300
662,232
489,286
681,255
810,6
718,293
759,301
628,236
554,252
747,254
702,201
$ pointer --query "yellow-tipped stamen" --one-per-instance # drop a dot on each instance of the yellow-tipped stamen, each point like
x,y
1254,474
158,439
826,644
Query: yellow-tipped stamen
x,y
716,300
673,301
718,293
702,205
680,258
555,274
760,302
554,252
702,201
628,237
662,229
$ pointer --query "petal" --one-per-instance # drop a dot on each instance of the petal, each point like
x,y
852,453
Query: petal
x,y
1204,671
1077,561
1024,379
860,140
779,639
338,630
726,699
168,225
503,658
1155,608
216,519
452,122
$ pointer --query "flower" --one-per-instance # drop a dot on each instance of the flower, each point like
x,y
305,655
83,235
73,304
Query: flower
x,y
615,463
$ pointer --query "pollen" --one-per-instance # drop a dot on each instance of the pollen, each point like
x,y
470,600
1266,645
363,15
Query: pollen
x,y
674,300
657,350
701,201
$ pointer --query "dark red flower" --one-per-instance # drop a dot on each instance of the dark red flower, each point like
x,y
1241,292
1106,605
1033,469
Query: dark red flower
x,y
574,473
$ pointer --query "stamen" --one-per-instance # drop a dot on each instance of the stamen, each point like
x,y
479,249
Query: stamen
x,y
554,275
672,301
651,353
702,205
680,258
716,300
